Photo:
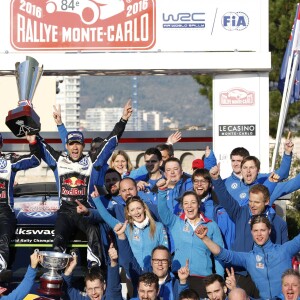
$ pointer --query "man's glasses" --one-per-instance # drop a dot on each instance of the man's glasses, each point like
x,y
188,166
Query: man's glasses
x,y
153,161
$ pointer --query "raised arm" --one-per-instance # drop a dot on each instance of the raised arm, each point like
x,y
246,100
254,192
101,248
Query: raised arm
x,y
113,288
107,217
209,158
227,256
27,161
225,199
166,216
26,284
62,130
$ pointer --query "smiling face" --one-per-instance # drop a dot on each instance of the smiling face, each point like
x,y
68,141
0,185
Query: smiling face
x,y
201,186
236,161
136,211
112,181
75,150
120,164
152,163
127,189
260,233
291,287
147,291
173,171
95,289
249,171
190,207
257,203
160,263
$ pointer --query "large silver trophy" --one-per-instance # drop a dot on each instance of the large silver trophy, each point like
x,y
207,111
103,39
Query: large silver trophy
x,y
51,282
23,118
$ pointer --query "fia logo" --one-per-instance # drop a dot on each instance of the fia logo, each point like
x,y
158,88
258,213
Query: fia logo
x,y
235,21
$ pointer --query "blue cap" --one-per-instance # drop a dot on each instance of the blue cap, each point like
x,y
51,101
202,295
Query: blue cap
x,y
75,136
1,139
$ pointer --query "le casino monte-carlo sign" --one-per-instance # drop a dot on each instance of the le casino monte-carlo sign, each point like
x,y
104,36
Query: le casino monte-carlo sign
x,y
82,24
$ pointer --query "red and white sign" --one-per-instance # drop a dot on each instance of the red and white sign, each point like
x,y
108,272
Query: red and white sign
x,y
82,24
237,97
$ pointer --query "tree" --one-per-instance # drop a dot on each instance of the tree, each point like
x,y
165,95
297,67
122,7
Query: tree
x,y
281,17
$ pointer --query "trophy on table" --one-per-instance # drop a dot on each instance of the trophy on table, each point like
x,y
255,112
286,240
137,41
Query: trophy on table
x,y
51,282
23,118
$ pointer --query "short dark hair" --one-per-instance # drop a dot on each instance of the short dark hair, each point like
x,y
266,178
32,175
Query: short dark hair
x,y
260,219
260,188
174,159
111,170
190,294
203,173
210,279
187,193
149,278
240,151
249,158
153,151
164,248
167,147
95,273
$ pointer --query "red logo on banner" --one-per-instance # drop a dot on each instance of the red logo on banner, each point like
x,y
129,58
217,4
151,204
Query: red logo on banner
x,y
237,97
82,24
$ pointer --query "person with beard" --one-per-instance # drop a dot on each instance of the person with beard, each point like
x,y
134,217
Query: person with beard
x,y
146,184
110,191
148,287
210,205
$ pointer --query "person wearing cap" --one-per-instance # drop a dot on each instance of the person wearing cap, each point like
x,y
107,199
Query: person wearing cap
x,y
197,164
72,171
10,164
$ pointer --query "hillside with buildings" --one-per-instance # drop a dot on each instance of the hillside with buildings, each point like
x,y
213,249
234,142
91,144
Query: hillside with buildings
x,y
174,100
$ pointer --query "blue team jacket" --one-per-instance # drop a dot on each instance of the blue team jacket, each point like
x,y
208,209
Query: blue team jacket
x,y
265,264
187,244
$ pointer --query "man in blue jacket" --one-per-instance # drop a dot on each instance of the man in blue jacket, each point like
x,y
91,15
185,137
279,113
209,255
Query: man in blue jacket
x,y
265,263
241,216
96,285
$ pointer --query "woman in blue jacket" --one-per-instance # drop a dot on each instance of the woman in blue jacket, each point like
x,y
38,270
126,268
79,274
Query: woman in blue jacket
x,y
187,245
142,231
265,263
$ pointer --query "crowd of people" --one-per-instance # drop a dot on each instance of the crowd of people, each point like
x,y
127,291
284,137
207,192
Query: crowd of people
x,y
164,233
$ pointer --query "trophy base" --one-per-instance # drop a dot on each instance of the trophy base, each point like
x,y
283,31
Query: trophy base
x,y
23,119
50,287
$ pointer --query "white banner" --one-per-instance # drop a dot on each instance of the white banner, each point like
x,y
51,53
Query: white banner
x,y
143,25
240,117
